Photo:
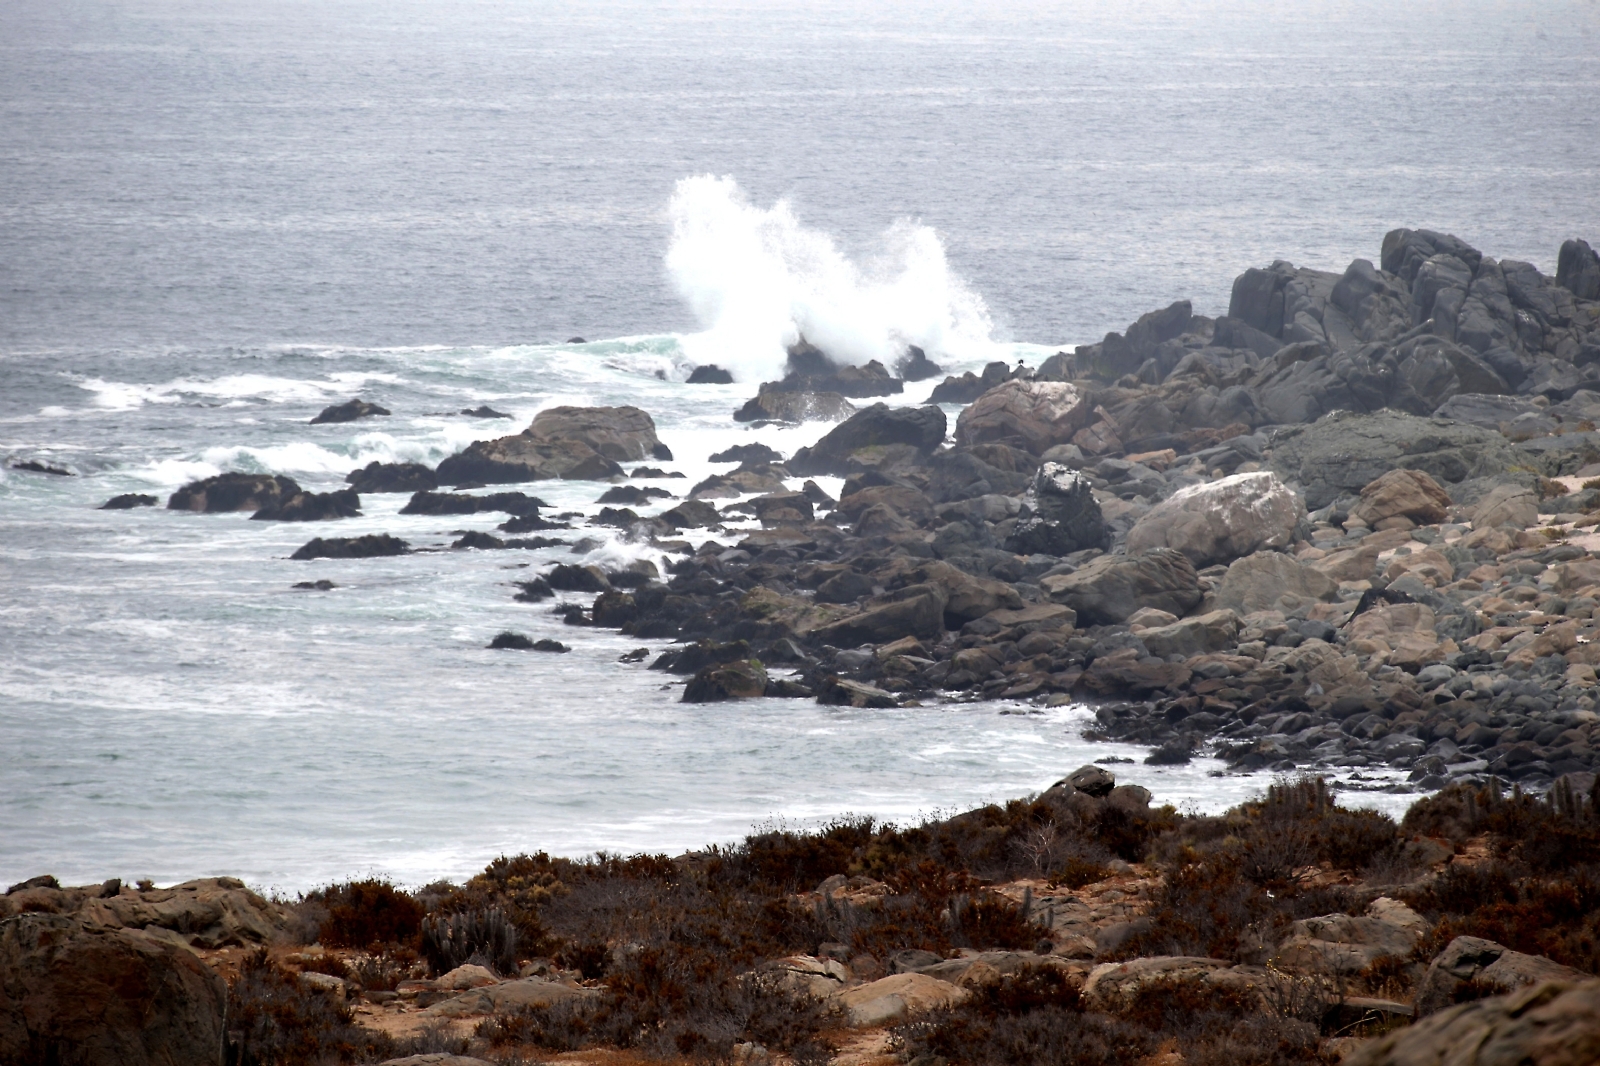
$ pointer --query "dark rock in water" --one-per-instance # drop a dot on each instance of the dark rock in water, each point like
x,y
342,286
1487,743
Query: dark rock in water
x,y
349,412
692,514
573,443
72,992
569,578
312,507
773,405
1172,753
315,586
740,679
692,658
747,453
750,477
371,546
450,503
637,655
479,540
534,591
1578,270
629,494
970,386
1342,453
35,467
643,472
836,691
511,641
550,645
529,523
576,340
1059,515
710,374
484,411
1111,588
620,517
811,370
392,477
128,501
233,492
879,426
916,366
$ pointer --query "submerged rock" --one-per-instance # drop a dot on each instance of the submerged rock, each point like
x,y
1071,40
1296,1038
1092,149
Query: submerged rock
x,y
373,545
129,500
710,374
312,507
349,411
392,477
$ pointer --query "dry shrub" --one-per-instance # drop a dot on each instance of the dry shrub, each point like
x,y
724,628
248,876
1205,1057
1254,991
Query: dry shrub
x,y
1029,1017
274,1020
1558,916
368,914
483,937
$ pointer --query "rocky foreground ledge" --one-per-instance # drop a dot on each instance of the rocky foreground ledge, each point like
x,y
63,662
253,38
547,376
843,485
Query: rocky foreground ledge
x,y
1080,926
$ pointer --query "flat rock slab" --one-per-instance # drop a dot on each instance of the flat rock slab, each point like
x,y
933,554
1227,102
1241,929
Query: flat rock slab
x,y
897,997
508,995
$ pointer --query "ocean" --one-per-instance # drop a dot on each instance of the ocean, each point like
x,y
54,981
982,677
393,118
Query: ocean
x,y
216,222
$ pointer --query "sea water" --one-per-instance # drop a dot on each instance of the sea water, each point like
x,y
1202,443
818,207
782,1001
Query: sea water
x,y
216,222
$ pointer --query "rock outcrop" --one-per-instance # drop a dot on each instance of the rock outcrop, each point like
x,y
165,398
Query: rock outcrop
x,y
574,443
233,492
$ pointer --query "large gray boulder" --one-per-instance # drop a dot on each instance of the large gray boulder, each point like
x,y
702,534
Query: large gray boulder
x,y
1109,589
1059,515
1552,1024
1470,958
1031,415
917,429
80,995
1343,452
1219,521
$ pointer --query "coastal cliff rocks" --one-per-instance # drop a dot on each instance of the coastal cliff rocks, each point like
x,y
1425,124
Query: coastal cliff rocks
x,y
71,992
574,443
392,477
211,912
233,492
1220,521
739,679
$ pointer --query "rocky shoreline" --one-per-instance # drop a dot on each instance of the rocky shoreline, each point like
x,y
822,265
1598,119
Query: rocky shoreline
x,y
1083,926
1348,525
